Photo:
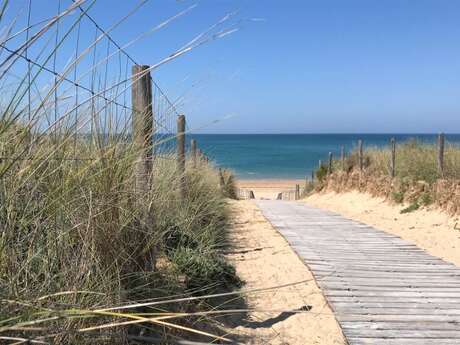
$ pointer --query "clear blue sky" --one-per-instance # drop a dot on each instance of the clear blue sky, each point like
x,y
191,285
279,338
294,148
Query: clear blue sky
x,y
308,66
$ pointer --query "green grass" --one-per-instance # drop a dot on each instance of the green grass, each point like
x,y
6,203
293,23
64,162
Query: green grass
x,y
417,175
411,208
416,160
87,254
84,229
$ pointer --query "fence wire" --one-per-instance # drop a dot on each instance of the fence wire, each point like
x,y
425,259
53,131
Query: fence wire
x,y
68,74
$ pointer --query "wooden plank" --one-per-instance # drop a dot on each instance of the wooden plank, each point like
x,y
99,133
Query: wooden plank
x,y
400,325
401,334
383,290
380,299
398,318
417,341
393,304
358,310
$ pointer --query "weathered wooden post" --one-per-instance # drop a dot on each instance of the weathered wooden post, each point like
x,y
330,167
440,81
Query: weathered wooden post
x,y
143,131
329,166
297,192
342,157
360,154
441,154
251,195
193,152
312,176
181,153
393,158
320,164
141,99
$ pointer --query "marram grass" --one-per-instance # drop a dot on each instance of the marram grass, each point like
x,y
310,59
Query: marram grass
x,y
418,179
76,239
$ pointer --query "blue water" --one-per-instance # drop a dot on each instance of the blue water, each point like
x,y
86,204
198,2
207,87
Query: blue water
x,y
265,156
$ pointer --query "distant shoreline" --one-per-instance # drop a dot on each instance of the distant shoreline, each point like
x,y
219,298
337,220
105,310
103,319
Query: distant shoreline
x,y
269,188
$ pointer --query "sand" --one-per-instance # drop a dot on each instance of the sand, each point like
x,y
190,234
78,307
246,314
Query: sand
x,y
268,189
264,259
429,228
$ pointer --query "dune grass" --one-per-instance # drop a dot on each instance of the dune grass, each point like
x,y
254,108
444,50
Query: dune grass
x,y
415,160
87,255
418,179
77,235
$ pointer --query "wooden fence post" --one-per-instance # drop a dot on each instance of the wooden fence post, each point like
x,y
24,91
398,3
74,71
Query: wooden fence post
x,y
393,158
181,153
329,167
312,176
297,192
360,154
441,154
193,151
342,157
320,164
141,99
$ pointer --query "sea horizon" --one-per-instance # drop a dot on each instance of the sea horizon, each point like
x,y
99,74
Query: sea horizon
x,y
278,156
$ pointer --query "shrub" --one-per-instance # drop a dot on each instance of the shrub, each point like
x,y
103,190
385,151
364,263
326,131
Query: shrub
x,y
426,199
228,185
205,269
411,208
397,197
321,173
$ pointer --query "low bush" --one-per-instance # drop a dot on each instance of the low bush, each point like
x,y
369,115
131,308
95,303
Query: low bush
x,y
411,208
397,197
321,173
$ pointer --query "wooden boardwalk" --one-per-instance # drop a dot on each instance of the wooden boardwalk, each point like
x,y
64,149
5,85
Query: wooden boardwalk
x,y
382,289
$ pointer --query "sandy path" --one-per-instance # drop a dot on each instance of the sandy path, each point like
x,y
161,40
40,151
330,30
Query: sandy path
x,y
264,259
429,229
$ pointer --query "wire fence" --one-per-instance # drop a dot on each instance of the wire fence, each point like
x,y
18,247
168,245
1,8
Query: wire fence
x,y
67,74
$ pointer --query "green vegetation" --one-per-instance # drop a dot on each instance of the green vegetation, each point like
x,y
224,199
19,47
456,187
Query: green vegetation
x,y
78,236
93,251
418,179
415,160
321,173
397,197
228,184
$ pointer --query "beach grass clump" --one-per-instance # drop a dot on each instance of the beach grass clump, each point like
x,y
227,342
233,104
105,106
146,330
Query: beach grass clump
x,y
95,247
321,173
416,160
78,235
228,184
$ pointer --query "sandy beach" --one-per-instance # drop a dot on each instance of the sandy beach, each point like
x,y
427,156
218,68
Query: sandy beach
x,y
269,189
295,314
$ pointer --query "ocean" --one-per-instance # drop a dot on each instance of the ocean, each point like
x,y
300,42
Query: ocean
x,y
288,156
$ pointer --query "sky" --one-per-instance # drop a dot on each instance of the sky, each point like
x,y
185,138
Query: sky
x,y
301,66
